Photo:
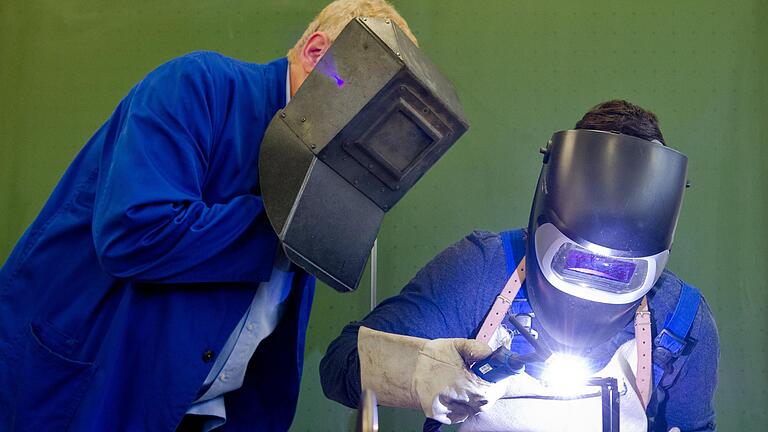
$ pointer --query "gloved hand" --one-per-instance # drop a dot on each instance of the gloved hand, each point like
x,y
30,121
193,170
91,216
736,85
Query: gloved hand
x,y
431,375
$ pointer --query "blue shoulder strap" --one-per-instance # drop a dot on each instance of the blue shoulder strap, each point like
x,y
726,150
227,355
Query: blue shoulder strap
x,y
512,242
514,250
672,339
669,344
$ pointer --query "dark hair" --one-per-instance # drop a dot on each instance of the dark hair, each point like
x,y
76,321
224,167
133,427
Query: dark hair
x,y
623,117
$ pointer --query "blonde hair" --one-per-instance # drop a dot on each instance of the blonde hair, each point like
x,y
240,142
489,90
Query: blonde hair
x,y
334,17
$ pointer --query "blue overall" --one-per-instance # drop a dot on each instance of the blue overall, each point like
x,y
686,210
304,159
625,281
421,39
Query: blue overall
x,y
451,295
117,299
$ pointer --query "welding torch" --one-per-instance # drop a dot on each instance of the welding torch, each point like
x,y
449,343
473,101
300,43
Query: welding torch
x,y
503,363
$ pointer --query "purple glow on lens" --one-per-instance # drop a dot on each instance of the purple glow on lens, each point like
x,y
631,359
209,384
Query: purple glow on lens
x,y
600,266
327,66
339,81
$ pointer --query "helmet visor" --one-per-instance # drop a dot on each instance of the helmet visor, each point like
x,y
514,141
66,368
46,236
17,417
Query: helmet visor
x,y
575,264
593,274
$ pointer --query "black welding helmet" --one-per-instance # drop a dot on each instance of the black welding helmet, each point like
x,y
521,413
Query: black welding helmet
x,y
373,116
601,227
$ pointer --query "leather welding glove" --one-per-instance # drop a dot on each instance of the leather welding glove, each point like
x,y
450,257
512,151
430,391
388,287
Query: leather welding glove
x,y
431,375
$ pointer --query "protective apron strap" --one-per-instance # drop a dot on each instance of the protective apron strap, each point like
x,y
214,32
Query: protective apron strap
x,y
643,379
504,299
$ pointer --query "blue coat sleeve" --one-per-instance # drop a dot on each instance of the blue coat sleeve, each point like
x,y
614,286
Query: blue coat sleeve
x,y
448,298
690,399
150,221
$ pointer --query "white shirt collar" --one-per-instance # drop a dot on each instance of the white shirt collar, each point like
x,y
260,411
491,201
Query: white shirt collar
x,y
288,84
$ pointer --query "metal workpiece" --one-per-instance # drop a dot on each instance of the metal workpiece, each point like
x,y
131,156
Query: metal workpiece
x,y
610,402
369,121
367,413
374,273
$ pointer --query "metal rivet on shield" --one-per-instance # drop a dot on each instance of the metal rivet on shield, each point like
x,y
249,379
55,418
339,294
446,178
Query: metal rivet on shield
x,y
303,119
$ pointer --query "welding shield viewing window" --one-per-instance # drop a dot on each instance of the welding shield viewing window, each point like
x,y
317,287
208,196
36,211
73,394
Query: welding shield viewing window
x,y
593,276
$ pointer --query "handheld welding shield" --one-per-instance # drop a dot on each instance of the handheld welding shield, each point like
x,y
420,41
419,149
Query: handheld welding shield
x,y
601,228
373,116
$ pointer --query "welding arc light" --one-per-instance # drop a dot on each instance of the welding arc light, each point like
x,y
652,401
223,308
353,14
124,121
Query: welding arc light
x,y
565,373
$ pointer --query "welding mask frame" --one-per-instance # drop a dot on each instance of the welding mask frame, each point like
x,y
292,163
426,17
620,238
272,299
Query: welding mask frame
x,y
373,116
609,202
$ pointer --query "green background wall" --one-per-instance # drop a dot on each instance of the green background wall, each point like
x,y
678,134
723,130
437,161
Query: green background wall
x,y
523,70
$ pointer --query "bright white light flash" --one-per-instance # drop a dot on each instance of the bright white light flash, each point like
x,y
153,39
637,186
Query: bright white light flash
x,y
566,374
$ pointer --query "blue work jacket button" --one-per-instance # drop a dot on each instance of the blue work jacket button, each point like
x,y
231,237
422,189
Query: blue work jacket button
x,y
207,356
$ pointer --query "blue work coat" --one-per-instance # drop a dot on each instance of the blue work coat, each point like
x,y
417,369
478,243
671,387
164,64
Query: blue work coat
x,y
118,297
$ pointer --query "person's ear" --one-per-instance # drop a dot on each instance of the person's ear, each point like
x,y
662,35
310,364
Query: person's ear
x,y
317,44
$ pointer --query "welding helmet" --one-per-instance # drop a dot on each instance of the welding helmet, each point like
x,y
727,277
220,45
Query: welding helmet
x,y
373,116
601,228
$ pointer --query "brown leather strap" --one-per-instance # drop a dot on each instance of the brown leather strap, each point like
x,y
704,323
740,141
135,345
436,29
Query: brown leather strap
x,y
644,376
643,341
502,303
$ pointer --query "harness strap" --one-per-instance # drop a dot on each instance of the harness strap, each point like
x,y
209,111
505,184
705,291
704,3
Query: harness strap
x,y
671,341
502,303
504,300
643,379
669,345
